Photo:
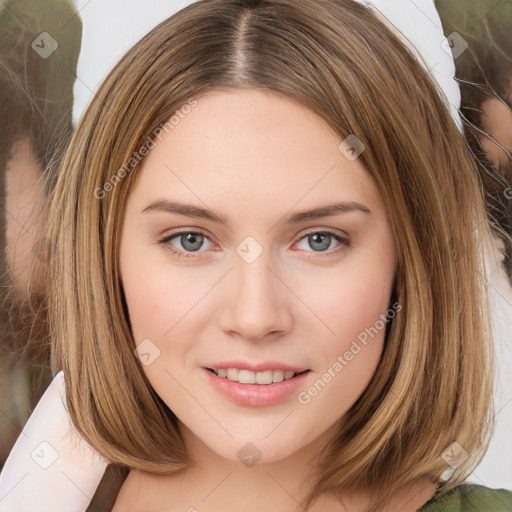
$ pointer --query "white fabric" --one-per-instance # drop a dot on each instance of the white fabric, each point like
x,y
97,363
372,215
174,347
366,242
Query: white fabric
x,y
51,468
103,44
419,26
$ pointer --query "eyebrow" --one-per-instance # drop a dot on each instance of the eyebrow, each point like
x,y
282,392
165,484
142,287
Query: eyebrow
x,y
190,210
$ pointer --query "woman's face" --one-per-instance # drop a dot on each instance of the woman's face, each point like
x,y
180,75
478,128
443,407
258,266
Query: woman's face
x,y
223,268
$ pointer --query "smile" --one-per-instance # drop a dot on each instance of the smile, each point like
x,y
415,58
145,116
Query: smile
x,y
255,393
250,377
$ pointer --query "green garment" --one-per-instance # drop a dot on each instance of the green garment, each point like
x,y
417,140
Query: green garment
x,y
470,498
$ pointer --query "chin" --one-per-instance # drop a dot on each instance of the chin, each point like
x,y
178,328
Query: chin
x,y
257,446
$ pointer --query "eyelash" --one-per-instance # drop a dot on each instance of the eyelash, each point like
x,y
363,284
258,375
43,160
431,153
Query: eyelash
x,y
165,242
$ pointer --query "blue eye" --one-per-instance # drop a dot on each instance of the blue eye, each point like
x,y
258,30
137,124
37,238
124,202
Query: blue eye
x,y
192,241
189,240
321,240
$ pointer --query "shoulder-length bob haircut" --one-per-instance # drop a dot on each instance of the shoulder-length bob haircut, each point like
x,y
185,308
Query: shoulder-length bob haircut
x,y
434,383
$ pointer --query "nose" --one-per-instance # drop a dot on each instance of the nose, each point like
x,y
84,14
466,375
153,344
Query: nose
x,y
257,304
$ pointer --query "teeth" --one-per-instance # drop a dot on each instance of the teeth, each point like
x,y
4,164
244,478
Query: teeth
x,y
265,377
233,374
277,375
248,377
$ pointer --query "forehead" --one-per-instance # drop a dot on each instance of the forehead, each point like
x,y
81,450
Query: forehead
x,y
251,149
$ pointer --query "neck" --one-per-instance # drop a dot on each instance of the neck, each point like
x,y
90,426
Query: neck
x,y
212,483
283,485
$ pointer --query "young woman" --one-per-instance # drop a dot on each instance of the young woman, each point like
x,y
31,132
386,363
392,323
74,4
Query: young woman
x,y
266,271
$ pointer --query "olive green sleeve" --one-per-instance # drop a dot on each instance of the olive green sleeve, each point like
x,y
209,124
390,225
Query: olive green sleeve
x,y
471,498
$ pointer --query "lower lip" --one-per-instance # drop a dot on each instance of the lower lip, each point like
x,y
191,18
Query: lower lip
x,y
256,395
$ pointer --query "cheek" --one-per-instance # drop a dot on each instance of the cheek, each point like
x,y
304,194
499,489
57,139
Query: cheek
x,y
157,309
157,294
351,299
356,316
145,296
355,312
350,354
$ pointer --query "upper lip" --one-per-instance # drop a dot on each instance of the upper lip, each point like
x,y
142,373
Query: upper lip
x,y
256,367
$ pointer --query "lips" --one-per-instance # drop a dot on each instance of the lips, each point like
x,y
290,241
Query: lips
x,y
254,394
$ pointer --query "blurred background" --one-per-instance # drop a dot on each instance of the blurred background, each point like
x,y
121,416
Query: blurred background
x,y
54,55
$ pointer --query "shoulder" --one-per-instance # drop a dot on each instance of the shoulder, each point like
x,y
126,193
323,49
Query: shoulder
x,y
469,497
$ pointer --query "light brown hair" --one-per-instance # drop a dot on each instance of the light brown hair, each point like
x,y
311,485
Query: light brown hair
x,y
433,385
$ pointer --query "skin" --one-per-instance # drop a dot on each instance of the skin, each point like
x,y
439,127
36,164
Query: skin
x,y
254,158
497,120
24,203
